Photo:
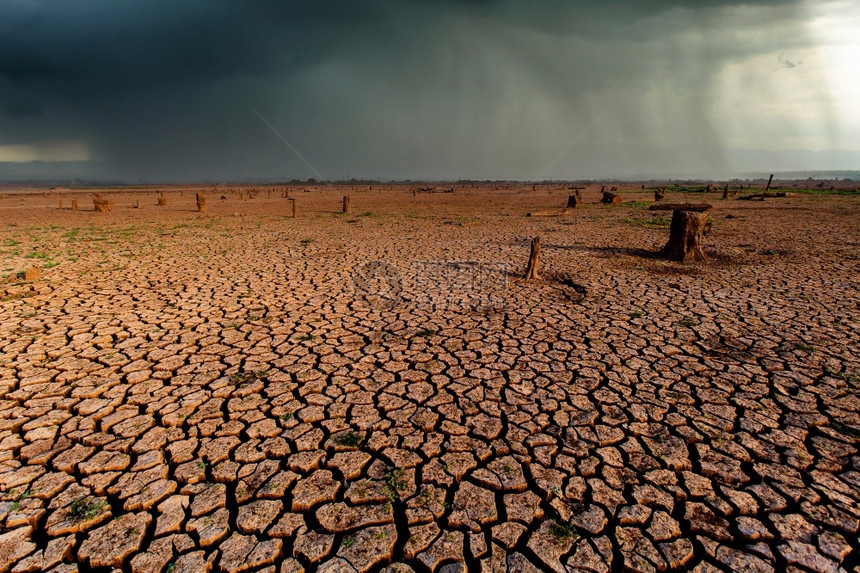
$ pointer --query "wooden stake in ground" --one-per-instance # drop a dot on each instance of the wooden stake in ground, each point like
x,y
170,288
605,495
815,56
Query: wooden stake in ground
x,y
201,203
532,270
346,208
769,181
162,201
74,204
61,204
137,204
685,237
293,205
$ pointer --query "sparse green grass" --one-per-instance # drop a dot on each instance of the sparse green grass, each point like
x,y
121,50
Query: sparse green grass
x,y
348,542
395,482
804,347
306,241
652,223
425,332
636,314
562,532
85,508
689,321
349,439
305,337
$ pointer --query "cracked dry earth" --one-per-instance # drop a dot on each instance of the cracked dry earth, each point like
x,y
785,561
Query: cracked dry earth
x,y
243,391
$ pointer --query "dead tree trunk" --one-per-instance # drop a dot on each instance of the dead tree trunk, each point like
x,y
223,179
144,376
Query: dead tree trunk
x,y
201,203
293,205
659,193
726,192
162,201
532,270
610,198
74,204
685,237
346,208
769,181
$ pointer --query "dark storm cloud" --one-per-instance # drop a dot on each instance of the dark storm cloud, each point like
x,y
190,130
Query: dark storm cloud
x,y
162,89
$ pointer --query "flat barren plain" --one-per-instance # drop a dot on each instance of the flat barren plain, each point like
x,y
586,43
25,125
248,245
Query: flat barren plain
x,y
239,389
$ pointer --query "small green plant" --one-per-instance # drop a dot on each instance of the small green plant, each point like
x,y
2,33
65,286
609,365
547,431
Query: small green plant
x,y
562,532
636,314
425,332
349,439
85,508
36,255
805,347
348,542
689,321
171,568
306,241
380,535
305,337
395,482
15,505
287,416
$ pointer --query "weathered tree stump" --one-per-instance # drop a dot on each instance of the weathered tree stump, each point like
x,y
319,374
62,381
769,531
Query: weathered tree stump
x,y
162,200
346,207
32,274
74,205
201,203
293,205
532,270
685,237
137,204
573,200
659,193
726,191
101,204
610,198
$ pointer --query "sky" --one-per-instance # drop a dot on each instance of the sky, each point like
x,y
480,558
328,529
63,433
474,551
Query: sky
x,y
161,90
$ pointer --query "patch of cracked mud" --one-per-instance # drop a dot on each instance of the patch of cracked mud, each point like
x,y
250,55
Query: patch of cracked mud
x,y
187,393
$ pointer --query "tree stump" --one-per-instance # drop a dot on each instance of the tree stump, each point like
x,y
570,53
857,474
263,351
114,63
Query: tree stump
x,y
346,208
659,194
726,191
137,204
685,237
293,205
162,201
532,270
610,198
74,205
32,274
61,204
201,203
101,204
573,200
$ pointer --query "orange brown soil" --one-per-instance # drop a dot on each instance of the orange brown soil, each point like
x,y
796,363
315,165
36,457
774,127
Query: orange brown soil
x,y
238,390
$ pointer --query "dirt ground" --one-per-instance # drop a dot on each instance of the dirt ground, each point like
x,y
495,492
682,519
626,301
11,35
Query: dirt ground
x,y
240,390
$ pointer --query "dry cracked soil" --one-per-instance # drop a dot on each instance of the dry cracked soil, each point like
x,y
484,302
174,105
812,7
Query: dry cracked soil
x,y
241,390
